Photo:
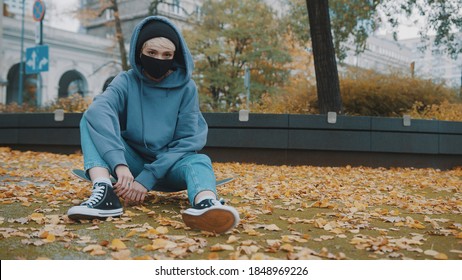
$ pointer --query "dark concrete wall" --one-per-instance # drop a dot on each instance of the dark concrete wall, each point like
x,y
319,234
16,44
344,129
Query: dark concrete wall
x,y
278,139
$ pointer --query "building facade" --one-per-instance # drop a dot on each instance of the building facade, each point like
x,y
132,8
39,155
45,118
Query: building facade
x,y
78,63
382,54
132,12
433,63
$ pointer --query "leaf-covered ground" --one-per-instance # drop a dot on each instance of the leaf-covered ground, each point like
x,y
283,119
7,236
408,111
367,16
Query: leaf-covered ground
x,y
287,212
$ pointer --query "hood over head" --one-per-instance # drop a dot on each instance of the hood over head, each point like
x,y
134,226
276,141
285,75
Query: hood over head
x,y
158,26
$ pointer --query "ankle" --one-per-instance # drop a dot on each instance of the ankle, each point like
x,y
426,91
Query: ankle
x,y
204,195
102,180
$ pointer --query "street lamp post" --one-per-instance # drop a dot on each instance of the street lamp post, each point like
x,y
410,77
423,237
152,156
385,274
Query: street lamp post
x,y
21,64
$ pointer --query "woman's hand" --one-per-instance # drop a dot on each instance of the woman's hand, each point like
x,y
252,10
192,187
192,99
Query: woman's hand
x,y
124,180
131,191
135,195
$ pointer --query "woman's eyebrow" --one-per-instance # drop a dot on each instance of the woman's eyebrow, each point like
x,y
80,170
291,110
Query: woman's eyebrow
x,y
159,50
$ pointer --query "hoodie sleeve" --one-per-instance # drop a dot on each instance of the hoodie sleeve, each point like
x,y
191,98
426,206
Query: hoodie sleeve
x,y
103,117
190,136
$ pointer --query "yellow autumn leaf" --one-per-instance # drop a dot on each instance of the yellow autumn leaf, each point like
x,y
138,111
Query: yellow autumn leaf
x,y
287,239
221,247
149,247
440,256
253,232
160,243
117,245
129,213
272,227
320,223
360,206
248,250
287,247
213,256
43,234
417,225
121,255
131,233
37,217
162,230
143,257
232,239
273,242
98,252
92,247
50,238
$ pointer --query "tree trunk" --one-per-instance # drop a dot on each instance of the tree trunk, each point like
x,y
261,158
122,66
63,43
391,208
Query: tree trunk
x,y
119,36
325,64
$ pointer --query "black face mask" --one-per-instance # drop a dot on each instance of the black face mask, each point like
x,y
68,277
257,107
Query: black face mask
x,y
156,68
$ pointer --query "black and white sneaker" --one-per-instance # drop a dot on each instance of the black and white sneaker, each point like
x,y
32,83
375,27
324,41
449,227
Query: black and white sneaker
x,y
102,203
211,215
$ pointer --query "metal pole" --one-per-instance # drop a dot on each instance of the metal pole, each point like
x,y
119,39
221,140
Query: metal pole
x,y
39,75
247,85
21,63
244,114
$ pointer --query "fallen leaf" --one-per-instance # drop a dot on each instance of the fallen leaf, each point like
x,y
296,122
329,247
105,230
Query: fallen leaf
x,y
221,247
162,230
117,245
121,255
131,233
248,250
213,256
92,247
287,248
232,239
431,253
272,227
50,238
440,256
39,218
159,243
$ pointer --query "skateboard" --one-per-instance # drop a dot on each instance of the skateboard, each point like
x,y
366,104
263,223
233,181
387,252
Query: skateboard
x,y
82,175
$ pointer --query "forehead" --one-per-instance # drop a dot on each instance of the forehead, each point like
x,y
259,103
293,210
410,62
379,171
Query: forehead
x,y
159,43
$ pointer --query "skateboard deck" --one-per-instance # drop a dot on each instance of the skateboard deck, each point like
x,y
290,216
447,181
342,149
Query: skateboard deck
x,y
82,175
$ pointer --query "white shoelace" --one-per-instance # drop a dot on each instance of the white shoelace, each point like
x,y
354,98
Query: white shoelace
x,y
96,195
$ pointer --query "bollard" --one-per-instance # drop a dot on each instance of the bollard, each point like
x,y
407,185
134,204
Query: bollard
x,y
406,120
244,115
331,117
59,115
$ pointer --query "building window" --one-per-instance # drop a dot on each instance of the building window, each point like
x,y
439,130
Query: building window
x,y
109,14
72,82
175,7
198,12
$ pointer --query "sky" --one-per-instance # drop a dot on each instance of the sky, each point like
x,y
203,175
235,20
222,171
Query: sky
x,y
59,14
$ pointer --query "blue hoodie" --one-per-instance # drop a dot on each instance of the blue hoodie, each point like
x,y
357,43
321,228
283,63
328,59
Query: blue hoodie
x,y
159,120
